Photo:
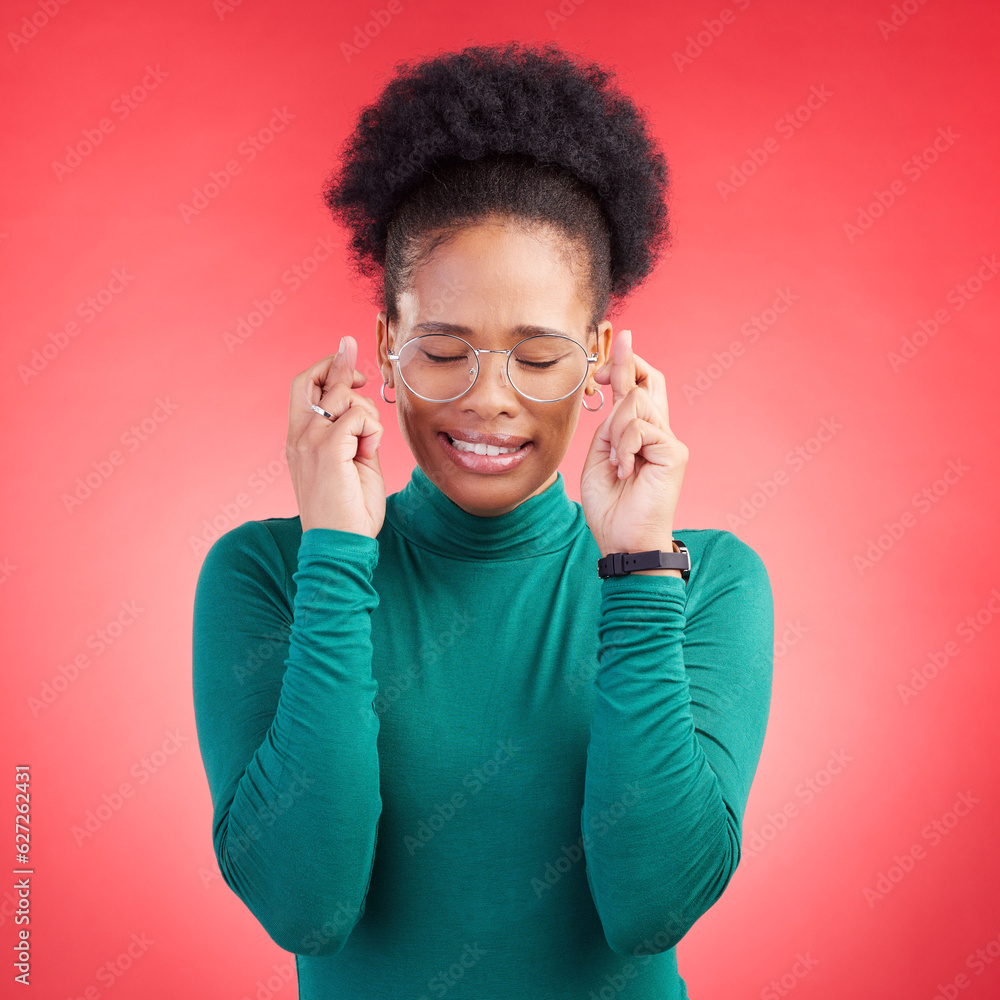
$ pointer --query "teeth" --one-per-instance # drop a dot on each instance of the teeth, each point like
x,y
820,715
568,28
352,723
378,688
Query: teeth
x,y
482,449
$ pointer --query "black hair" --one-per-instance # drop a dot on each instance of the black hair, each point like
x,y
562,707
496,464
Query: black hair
x,y
509,131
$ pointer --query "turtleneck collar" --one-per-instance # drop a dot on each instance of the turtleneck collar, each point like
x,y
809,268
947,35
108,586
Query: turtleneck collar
x,y
428,517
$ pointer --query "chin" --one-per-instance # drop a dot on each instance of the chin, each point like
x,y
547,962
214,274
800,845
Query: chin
x,y
496,490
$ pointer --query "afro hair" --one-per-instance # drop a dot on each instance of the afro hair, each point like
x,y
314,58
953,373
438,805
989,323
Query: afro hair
x,y
509,129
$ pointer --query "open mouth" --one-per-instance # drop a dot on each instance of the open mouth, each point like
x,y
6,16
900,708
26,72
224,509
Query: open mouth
x,y
484,458
482,449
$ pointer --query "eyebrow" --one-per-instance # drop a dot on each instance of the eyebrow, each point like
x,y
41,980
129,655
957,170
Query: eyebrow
x,y
523,330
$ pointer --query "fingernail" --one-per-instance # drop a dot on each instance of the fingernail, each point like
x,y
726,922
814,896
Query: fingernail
x,y
614,457
340,350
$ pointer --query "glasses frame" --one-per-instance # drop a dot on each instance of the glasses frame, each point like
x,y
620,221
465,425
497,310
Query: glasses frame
x,y
591,359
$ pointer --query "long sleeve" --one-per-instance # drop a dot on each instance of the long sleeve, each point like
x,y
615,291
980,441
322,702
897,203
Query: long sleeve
x,y
682,695
283,693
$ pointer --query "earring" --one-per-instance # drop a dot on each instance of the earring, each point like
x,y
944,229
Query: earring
x,y
385,382
593,409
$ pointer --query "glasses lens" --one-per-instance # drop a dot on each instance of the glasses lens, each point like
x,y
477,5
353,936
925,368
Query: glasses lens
x,y
437,366
548,367
442,367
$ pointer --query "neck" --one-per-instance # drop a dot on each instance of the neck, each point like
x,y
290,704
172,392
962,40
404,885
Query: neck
x,y
546,521
494,511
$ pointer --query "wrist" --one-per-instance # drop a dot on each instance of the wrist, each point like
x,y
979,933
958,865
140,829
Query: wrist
x,y
663,545
669,547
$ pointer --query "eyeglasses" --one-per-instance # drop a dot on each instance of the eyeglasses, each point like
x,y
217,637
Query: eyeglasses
x,y
440,367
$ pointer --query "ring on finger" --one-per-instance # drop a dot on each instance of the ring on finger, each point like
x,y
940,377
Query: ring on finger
x,y
322,412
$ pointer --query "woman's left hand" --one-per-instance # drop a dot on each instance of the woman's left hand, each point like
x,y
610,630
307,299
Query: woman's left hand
x,y
633,512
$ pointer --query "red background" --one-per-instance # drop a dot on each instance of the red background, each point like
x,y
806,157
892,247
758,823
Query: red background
x,y
848,634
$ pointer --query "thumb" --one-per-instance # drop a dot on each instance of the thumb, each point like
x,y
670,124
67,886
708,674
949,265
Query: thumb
x,y
344,359
343,367
603,373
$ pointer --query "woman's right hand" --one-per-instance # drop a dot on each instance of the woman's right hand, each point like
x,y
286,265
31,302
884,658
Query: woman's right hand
x,y
334,463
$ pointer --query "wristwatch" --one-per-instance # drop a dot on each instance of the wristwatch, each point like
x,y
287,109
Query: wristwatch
x,y
622,563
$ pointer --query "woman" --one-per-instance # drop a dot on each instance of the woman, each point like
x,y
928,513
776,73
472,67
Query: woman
x,y
446,756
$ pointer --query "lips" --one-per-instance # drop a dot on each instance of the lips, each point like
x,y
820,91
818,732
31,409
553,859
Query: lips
x,y
480,437
485,464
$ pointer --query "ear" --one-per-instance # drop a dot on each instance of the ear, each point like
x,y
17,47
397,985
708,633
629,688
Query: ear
x,y
604,339
382,347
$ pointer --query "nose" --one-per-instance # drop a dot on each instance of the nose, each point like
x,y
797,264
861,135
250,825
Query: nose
x,y
489,392
500,361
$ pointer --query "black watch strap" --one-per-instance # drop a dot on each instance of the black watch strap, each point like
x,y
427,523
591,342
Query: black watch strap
x,y
623,563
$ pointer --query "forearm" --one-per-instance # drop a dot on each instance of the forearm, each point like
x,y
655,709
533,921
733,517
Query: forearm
x,y
659,840
297,840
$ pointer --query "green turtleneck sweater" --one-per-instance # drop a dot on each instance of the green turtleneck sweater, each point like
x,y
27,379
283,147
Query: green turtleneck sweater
x,y
451,761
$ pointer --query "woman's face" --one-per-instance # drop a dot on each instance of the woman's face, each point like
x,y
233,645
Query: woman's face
x,y
492,278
